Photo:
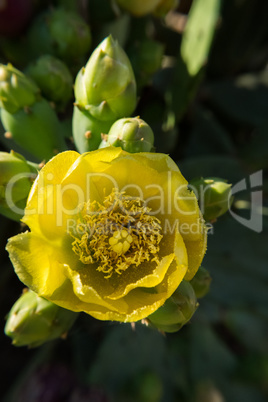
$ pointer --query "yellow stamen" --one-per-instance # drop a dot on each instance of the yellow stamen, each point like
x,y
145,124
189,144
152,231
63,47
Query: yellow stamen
x,y
117,234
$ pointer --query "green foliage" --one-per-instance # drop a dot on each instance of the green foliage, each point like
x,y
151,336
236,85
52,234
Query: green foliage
x,y
198,34
36,129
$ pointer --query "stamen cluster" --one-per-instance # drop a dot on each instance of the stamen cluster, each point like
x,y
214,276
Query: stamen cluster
x,y
117,234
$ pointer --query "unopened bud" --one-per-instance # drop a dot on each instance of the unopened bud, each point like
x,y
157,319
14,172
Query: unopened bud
x,y
177,310
53,78
34,320
16,179
61,33
106,86
146,58
131,134
201,282
16,90
214,196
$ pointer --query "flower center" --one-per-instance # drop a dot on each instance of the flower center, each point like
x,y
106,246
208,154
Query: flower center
x,y
120,241
117,234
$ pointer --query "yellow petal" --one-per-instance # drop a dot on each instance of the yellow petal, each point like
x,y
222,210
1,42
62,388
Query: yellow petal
x,y
147,281
35,263
101,158
196,251
44,259
66,298
180,208
88,294
43,214
159,162
143,302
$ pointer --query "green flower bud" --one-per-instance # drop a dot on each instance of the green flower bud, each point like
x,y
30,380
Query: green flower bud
x,y
16,178
131,134
34,320
146,58
201,282
61,33
87,131
106,86
164,7
36,129
16,90
214,196
138,7
53,78
176,311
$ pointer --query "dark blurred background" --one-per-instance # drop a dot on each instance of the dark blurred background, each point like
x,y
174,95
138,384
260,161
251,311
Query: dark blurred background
x,y
213,120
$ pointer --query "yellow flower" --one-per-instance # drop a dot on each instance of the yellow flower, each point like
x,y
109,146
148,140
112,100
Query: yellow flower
x,y
112,234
